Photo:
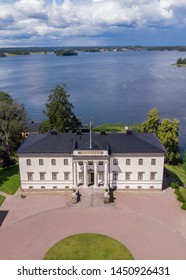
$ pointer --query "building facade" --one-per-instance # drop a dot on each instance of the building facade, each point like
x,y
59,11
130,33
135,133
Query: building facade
x,y
63,161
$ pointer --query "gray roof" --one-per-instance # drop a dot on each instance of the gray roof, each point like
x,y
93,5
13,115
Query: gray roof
x,y
114,143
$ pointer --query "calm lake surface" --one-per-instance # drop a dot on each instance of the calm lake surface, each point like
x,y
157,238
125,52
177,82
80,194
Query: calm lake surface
x,y
103,87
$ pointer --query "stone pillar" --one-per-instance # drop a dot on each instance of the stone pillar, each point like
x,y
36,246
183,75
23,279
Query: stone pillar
x,y
85,174
95,174
75,174
106,174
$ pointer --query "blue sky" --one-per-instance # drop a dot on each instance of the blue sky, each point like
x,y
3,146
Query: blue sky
x,y
92,22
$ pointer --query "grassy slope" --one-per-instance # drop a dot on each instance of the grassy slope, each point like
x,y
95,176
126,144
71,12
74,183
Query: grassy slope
x,y
9,179
177,172
88,247
118,127
2,198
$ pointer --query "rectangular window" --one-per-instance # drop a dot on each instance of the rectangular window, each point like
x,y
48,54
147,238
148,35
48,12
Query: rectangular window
x,y
101,175
90,162
30,187
151,187
53,161
41,162
115,161
139,187
140,175
80,162
127,176
153,161
65,161
128,161
66,176
30,176
140,161
100,162
81,174
152,175
66,187
54,187
127,187
115,175
42,187
28,161
54,176
42,176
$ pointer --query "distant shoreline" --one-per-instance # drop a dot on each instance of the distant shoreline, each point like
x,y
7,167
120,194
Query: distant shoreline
x,y
16,51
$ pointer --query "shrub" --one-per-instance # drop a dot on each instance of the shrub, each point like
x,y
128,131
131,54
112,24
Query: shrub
x,y
183,206
174,185
177,191
180,198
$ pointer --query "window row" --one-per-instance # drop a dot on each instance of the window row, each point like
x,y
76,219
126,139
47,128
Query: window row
x,y
140,161
128,175
42,176
54,187
41,161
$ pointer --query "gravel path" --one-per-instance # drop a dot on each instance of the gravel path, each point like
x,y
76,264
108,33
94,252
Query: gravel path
x,y
151,225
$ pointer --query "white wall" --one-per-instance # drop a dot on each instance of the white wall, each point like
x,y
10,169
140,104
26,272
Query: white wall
x,y
134,168
121,168
48,168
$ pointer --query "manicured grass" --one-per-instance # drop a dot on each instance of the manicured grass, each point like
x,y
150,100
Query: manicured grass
x,y
117,127
9,179
177,172
2,198
88,246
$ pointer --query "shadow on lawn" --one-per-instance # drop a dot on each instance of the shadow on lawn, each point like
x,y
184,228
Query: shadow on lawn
x,y
5,174
3,215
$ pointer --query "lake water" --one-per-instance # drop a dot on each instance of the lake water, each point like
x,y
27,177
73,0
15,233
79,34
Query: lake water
x,y
103,87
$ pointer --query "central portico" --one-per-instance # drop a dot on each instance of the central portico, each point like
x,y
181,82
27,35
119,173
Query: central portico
x,y
90,168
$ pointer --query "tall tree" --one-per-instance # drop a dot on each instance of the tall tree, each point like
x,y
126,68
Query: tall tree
x,y
152,123
168,132
60,111
13,119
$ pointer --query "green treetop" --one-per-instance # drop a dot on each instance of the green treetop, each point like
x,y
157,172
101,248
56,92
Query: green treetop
x,y
13,119
152,123
167,131
60,111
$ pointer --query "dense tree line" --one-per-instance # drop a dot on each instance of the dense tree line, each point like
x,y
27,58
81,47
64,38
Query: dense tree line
x,y
65,52
181,61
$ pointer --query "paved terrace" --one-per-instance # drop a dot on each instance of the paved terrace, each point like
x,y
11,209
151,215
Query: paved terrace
x,y
150,224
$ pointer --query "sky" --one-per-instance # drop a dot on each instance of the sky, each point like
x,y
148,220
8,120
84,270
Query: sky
x,y
92,22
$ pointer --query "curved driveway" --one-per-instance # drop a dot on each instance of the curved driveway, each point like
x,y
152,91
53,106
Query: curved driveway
x,y
151,225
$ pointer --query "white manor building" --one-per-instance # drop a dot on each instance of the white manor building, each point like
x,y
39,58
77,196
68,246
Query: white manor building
x,y
55,161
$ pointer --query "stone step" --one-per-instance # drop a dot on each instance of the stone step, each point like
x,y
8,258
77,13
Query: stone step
x,y
91,197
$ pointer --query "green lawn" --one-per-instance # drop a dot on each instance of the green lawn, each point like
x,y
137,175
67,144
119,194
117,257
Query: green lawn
x,y
9,179
2,198
88,247
117,127
177,172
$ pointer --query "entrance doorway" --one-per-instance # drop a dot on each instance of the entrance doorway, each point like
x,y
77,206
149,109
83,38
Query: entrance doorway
x,y
91,178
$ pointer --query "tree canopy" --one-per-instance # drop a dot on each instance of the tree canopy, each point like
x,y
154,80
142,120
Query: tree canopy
x,y
60,112
167,131
13,119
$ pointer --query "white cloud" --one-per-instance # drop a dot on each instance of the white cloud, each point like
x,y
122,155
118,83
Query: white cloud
x,y
88,18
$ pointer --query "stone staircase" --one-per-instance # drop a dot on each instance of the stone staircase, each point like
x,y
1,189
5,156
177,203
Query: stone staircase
x,y
90,197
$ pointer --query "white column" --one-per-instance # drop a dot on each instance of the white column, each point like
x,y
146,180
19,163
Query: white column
x,y
75,174
106,174
95,174
85,174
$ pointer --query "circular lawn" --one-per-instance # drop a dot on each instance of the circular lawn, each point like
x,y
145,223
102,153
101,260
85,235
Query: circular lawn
x,y
88,246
